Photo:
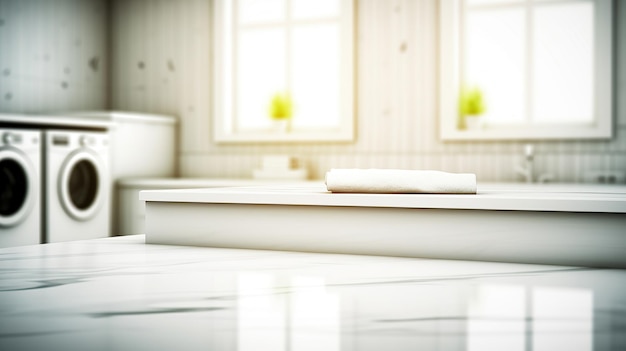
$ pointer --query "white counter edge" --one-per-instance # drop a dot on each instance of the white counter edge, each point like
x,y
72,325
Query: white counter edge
x,y
316,195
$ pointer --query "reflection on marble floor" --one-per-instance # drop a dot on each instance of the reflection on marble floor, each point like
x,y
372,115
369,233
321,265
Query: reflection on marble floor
x,y
120,294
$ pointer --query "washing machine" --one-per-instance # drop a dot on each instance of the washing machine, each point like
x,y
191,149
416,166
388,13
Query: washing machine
x,y
78,189
20,180
141,145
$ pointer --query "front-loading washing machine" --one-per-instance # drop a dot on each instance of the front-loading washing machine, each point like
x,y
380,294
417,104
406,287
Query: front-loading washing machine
x,y
20,180
77,185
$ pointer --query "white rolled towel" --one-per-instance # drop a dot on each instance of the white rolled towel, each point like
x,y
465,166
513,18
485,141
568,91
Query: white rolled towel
x,y
396,181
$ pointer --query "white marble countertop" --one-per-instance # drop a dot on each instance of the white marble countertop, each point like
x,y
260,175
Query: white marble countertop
x,y
517,197
122,294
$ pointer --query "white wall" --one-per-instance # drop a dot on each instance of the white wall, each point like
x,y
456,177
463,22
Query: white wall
x,y
397,97
160,62
53,55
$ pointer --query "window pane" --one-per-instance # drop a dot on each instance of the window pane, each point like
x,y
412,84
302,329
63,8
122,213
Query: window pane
x,y
316,75
256,11
260,75
494,62
305,9
563,63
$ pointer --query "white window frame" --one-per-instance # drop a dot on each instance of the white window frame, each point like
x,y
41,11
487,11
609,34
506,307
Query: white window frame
x,y
224,130
600,128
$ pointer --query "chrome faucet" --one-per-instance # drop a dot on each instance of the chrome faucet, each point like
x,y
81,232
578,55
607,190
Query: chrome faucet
x,y
527,169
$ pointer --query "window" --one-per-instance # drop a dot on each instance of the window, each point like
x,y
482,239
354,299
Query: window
x,y
297,51
534,69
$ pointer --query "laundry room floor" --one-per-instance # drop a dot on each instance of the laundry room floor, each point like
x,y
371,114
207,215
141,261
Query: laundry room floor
x,y
120,293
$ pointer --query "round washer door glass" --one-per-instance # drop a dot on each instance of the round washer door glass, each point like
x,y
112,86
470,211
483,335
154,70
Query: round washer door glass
x,y
83,184
13,187
80,186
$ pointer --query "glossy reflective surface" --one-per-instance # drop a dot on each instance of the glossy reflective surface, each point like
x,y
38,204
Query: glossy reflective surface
x,y
83,184
118,293
13,188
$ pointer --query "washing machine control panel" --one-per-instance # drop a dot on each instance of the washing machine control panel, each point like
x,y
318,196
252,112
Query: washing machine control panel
x,y
60,140
9,138
86,140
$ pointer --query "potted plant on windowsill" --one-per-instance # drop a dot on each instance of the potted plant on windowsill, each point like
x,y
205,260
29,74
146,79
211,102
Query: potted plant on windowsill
x,y
281,111
471,107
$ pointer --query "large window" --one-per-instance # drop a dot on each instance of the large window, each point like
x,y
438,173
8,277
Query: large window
x,y
283,70
526,69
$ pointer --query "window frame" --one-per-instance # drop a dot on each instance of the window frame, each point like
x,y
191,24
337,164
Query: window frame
x,y
224,130
450,53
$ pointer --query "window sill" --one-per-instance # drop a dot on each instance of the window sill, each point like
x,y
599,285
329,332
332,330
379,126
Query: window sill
x,y
528,133
285,137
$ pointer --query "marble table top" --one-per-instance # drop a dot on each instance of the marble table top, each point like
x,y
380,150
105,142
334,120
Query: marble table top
x,y
122,294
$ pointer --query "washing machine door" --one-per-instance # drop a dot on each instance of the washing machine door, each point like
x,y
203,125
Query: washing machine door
x,y
17,186
81,184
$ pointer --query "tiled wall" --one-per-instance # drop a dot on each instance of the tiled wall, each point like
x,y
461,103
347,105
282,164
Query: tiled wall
x,y
397,97
53,55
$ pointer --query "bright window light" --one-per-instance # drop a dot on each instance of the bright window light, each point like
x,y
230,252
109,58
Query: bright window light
x,y
536,69
261,73
307,9
563,63
495,62
259,11
299,50
316,75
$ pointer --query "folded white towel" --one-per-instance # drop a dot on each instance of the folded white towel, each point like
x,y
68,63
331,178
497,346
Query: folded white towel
x,y
389,181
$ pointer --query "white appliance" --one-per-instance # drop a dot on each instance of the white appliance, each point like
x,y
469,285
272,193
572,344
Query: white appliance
x,y
141,145
20,180
78,185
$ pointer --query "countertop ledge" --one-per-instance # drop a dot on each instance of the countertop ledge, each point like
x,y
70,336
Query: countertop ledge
x,y
511,197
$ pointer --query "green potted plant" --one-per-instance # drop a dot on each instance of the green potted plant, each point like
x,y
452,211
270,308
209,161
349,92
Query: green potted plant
x,y
471,107
281,111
